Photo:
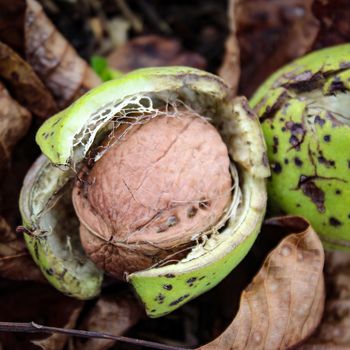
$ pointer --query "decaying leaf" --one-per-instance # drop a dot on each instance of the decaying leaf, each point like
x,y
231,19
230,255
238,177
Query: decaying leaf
x,y
24,84
284,303
230,69
57,341
23,302
153,51
270,33
56,62
111,314
15,261
14,123
333,332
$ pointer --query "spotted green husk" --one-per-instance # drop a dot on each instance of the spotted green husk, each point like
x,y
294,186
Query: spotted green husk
x,y
304,109
161,289
53,241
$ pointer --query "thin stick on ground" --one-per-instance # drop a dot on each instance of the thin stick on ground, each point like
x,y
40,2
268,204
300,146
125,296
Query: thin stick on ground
x,y
32,327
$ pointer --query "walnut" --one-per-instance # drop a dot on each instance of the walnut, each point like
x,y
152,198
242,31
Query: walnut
x,y
158,185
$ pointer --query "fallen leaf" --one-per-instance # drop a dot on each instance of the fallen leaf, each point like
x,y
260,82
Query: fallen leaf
x,y
23,302
14,123
111,314
333,332
270,33
153,51
15,260
57,341
230,68
283,305
57,63
24,84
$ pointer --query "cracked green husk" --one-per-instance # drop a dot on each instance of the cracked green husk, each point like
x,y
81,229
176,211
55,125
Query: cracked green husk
x,y
63,141
304,109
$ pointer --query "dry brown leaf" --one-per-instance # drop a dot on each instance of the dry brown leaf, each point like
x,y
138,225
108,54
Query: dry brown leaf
x,y
57,341
333,332
14,123
111,314
153,51
57,63
284,303
15,261
270,33
24,84
230,69
23,302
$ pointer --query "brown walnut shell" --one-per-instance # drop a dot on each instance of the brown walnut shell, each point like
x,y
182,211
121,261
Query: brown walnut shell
x,y
158,186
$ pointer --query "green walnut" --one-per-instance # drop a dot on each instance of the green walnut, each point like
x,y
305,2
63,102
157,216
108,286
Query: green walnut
x,y
304,109
156,178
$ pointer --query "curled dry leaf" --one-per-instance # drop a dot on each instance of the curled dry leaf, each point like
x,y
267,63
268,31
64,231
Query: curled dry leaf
x,y
57,63
230,69
153,51
111,314
284,303
270,33
333,332
14,123
15,261
24,84
23,302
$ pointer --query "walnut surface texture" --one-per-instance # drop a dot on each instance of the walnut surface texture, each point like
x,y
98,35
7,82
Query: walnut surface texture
x,y
157,186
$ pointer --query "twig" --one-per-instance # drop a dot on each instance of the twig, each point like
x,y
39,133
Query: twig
x,y
32,327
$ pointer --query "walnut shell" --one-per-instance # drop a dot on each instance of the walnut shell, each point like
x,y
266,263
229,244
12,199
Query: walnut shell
x,y
157,186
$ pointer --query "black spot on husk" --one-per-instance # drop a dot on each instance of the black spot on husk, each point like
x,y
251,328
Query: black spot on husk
x,y
191,280
334,221
159,298
319,120
310,189
276,168
298,162
50,271
175,302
